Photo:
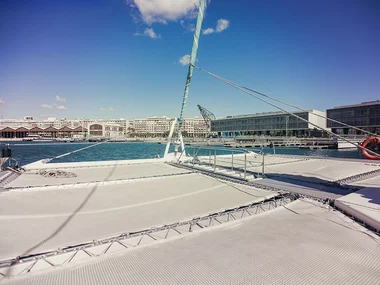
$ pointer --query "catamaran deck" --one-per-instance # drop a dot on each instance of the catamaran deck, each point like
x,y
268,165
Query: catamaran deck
x,y
48,217
89,173
318,170
304,243
364,205
98,201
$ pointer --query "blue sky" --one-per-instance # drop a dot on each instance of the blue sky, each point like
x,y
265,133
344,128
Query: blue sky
x,y
121,59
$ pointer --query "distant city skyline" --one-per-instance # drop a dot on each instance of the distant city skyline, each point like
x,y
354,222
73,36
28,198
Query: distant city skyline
x,y
123,59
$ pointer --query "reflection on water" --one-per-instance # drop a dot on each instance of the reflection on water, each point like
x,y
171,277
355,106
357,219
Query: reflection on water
x,y
27,152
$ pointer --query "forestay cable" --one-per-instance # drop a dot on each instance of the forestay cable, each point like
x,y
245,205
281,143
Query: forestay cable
x,y
303,110
74,151
241,88
293,106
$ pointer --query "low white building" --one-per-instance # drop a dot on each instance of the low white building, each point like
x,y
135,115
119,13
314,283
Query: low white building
x,y
104,129
52,127
195,127
153,125
157,126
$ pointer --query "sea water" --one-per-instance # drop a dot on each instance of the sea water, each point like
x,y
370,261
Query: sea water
x,y
27,152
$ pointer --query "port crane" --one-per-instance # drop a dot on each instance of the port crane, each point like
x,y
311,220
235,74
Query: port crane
x,y
207,115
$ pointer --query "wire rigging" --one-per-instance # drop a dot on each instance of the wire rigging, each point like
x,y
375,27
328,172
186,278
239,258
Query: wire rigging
x,y
74,151
303,110
293,106
241,88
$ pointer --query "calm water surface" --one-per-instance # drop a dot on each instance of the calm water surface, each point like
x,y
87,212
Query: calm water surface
x,y
27,152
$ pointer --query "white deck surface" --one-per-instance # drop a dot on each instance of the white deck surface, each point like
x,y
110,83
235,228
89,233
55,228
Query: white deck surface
x,y
321,170
47,218
364,205
86,173
369,182
40,164
306,188
253,160
301,244
317,170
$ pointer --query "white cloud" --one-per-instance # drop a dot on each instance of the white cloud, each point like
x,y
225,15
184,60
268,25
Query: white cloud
x,y
221,25
60,99
46,106
109,109
2,102
149,33
53,106
189,27
185,60
162,11
61,107
208,31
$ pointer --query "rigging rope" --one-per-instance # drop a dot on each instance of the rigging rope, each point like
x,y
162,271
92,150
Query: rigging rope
x,y
74,151
241,88
303,110
293,106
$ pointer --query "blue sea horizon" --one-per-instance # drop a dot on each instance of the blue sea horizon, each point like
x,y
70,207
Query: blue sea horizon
x,y
28,152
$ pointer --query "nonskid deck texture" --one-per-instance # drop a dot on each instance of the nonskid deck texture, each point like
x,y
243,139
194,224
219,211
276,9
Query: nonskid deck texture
x,y
50,217
302,243
328,171
99,201
306,171
322,170
363,205
368,182
286,168
321,178
88,173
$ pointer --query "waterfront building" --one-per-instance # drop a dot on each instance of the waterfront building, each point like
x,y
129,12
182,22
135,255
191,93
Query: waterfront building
x,y
64,128
195,127
365,115
271,123
105,129
158,126
52,127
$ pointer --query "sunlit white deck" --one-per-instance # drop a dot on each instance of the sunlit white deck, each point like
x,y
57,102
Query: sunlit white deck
x,y
282,167
330,178
89,172
321,170
48,217
304,243
105,199
364,205
317,177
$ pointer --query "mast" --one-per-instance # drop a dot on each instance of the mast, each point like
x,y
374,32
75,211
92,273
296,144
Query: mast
x,y
202,7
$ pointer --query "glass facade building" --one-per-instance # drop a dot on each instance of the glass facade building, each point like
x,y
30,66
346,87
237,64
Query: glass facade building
x,y
276,123
365,116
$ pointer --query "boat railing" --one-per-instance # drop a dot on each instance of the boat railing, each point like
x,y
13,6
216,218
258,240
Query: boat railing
x,y
224,158
8,162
